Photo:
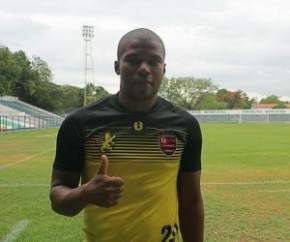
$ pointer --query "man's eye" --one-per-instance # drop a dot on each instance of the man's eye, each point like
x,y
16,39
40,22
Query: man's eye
x,y
155,62
133,61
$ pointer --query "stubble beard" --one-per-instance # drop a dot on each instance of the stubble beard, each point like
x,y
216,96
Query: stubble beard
x,y
139,96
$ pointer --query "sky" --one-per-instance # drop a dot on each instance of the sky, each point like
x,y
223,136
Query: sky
x,y
239,44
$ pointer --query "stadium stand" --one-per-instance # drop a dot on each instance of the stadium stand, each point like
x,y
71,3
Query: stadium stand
x,y
15,114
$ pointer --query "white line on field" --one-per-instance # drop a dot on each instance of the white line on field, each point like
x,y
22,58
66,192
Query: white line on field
x,y
16,231
204,183
276,191
246,183
24,185
25,159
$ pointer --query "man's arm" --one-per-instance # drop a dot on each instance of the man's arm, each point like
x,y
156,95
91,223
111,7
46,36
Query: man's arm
x,y
65,194
68,198
191,209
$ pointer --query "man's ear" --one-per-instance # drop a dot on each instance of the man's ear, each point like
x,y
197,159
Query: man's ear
x,y
117,67
164,69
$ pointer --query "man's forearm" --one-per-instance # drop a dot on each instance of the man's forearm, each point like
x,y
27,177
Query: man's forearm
x,y
192,222
67,201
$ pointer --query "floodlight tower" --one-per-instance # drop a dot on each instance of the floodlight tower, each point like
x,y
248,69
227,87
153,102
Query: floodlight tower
x,y
88,34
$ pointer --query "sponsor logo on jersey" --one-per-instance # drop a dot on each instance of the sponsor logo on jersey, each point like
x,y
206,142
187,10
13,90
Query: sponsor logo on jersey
x,y
167,144
107,142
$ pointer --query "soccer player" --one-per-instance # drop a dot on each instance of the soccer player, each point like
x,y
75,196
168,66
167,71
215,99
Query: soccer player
x,y
132,161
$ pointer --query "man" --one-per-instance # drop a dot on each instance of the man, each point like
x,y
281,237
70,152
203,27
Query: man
x,y
137,156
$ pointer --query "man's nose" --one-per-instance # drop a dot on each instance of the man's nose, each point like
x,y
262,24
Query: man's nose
x,y
144,68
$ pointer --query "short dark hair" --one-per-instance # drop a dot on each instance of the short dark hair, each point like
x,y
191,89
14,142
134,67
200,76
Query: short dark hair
x,y
140,32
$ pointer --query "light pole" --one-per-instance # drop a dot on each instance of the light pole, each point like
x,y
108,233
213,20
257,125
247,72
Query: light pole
x,y
88,34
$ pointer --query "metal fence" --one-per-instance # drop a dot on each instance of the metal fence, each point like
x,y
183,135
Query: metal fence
x,y
242,116
17,122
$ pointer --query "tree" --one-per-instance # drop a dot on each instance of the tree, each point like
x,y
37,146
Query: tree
x,y
275,100
186,92
26,76
93,93
31,81
47,96
270,99
41,67
101,92
9,72
234,100
170,89
280,105
71,98
210,102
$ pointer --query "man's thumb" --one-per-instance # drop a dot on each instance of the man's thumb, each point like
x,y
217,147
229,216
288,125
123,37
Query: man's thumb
x,y
104,165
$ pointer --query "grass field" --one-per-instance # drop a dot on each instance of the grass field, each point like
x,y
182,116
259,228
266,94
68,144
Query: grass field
x,y
245,183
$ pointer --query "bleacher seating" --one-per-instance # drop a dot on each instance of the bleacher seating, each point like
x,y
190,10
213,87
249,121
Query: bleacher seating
x,y
26,115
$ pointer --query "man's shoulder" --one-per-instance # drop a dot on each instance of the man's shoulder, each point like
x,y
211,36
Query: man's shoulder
x,y
178,110
173,107
93,108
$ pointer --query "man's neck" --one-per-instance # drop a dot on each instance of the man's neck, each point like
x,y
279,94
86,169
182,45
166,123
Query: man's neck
x,y
136,105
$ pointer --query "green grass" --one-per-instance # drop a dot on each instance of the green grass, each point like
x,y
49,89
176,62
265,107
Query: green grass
x,y
24,189
245,184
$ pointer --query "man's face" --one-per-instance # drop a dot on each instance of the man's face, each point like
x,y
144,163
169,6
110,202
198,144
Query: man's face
x,y
141,68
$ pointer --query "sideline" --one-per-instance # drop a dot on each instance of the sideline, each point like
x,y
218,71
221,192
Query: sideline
x,y
246,183
24,185
25,159
16,231
203,183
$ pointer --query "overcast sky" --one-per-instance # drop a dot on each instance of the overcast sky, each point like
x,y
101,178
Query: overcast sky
x,y
239,44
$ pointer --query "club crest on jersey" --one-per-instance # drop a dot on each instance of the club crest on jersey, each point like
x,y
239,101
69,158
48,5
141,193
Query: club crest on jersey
x,y
167,144
107,142
138,126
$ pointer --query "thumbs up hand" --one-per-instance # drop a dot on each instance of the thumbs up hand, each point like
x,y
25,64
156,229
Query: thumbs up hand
x,y
104,190
104,165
